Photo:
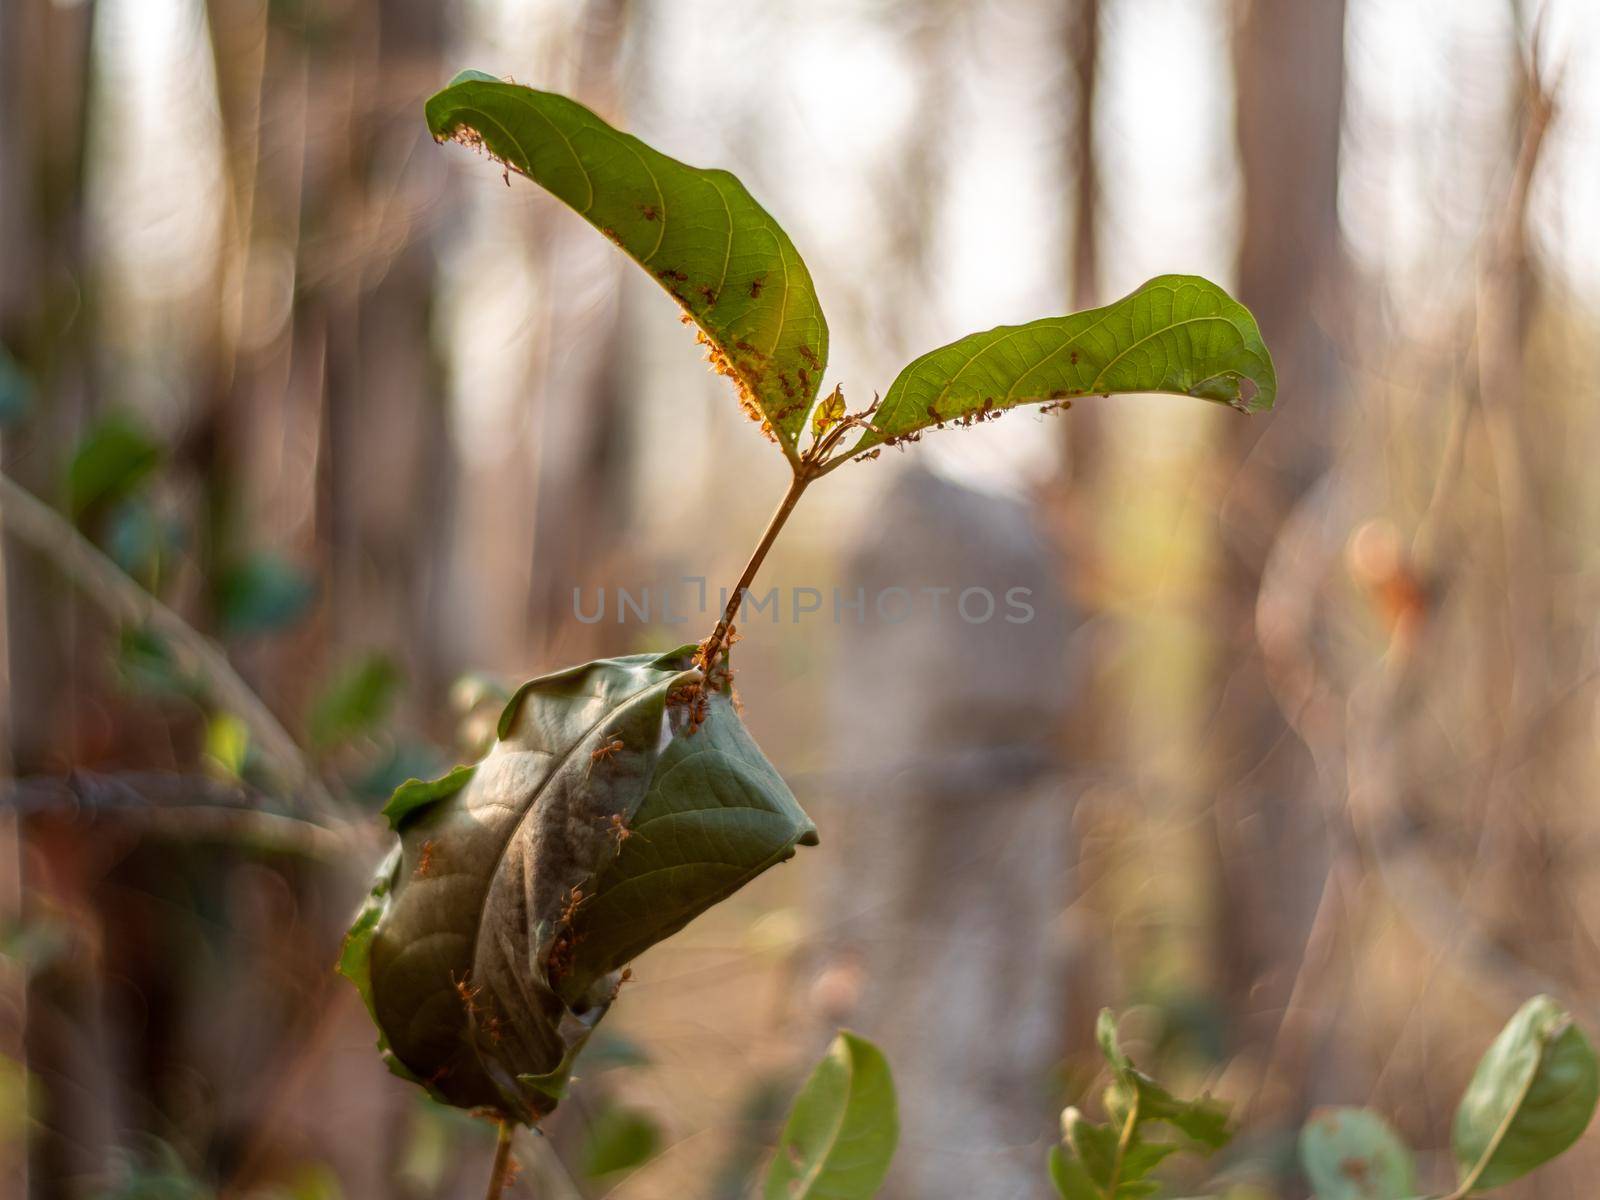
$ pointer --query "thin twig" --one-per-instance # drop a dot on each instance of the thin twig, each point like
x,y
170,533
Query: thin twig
x,y
500,1174
713,644
52,536
808,467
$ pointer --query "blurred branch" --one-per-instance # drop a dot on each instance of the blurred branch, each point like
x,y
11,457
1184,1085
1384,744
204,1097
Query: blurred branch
x,y
1501,306
53,537
191,807
1368,747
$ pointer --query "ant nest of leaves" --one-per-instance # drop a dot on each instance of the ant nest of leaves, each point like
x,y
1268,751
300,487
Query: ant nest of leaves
x,y
563,950
689,701
491,1024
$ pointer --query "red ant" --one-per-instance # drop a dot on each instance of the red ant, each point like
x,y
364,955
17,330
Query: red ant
x,y
425,861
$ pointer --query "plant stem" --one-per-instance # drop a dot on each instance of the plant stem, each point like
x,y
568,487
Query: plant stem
x,y
1123,1143
802,479
500,1175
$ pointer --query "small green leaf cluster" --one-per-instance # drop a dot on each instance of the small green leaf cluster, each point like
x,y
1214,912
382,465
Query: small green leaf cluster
x,y
1532,1096
1113,1160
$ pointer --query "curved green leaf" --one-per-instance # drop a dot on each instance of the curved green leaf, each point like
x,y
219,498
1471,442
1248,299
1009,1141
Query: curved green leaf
x,y
261,594
698,232
115,456
1115,1161
1531,1097
482,965
1071,1179
354,701
1176,333
716,816
841,1133
1353,1154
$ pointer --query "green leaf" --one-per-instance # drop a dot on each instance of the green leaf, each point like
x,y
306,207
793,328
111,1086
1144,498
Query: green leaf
x,y
1204,1121
147,663
1071,1179
1531,1097
1115,1165
308,1181
355,701
1114,1161
1353,1154
157,1173
228,743
1105,1036
621,1139
139,540
261,594
716,815
398,761
842,1131
355,958
485,967
111,460
415,794
16,391
698,233
1176,333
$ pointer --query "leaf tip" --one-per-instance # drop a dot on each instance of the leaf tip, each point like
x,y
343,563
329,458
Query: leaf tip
x,y
473,76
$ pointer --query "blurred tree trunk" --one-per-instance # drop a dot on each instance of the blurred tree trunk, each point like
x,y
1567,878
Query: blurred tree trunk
x,y
325,434
384,464
325,439
44,319
45,314
1076,504
952,864
582,495
1271,853
247,440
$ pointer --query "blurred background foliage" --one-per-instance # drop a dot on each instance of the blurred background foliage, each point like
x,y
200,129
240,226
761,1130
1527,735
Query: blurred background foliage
x,y
1298,762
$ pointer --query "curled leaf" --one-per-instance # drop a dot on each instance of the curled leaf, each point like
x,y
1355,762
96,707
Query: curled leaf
x,y
622,799
419,793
